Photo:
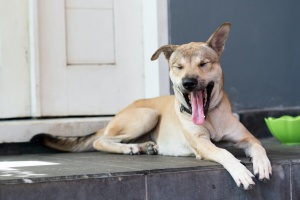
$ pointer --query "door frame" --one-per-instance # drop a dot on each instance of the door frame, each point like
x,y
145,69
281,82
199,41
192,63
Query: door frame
x,y
34,63
156,34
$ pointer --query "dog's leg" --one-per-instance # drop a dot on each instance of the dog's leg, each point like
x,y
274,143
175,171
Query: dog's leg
x,y
208,151
126,126
253,149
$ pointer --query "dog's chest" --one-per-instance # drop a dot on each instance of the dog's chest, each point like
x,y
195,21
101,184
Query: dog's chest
x,y
171,141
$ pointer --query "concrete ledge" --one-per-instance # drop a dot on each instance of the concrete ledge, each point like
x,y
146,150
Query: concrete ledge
x,y
193,183
96,175
23,130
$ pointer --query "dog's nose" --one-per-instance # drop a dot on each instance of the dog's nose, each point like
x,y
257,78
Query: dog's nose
x,y
189,83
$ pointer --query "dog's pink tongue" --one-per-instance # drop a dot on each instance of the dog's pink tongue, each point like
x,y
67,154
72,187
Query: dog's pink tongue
x,y
197,107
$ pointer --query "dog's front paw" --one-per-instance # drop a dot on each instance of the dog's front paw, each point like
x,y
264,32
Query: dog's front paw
x,y
262,167
242,176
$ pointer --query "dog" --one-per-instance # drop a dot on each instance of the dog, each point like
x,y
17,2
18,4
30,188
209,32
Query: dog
x,y
184,124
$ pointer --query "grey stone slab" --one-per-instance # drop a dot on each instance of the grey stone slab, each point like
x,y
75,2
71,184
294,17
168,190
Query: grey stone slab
x,y
65,167
122,187
103,164
295,171
165,176
92,164
216,184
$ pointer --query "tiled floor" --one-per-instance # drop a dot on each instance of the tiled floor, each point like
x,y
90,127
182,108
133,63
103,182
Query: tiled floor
x,y
152,171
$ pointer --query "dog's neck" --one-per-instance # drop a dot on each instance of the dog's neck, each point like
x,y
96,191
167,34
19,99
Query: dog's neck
x,y
185,109
216,97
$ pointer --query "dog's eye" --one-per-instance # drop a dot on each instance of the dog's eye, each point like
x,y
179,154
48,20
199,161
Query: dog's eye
x,y
179,67
203,64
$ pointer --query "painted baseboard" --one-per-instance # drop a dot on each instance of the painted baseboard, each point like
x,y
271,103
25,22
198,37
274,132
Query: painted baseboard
x,y
23,130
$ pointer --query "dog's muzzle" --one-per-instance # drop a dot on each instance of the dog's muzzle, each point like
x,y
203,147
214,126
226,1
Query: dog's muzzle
x,y
197,100
189,83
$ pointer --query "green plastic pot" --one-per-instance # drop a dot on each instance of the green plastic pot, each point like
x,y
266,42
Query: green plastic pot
x,y
286,129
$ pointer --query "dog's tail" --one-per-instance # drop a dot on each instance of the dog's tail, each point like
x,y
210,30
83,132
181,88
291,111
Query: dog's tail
x,y
67,144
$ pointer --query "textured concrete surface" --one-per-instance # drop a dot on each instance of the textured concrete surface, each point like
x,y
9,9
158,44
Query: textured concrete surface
x,y
96,175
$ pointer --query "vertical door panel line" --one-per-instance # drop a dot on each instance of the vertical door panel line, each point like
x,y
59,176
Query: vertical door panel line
x,y
33,7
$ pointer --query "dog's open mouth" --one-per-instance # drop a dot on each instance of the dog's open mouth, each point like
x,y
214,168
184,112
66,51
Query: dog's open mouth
x,y
198,101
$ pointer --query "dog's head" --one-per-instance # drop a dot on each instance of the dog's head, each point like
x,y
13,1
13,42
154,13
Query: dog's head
x,y
196,73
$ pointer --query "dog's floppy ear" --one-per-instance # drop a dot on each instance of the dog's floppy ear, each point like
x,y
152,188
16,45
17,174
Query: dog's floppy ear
x,y
167,50
218,38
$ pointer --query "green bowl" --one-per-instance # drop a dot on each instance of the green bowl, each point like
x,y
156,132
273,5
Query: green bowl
x,y
286,129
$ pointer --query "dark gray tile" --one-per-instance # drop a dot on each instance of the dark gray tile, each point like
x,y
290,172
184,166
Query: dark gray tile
x,y
92,164
123,187
167,177
66,166
296,179
215,184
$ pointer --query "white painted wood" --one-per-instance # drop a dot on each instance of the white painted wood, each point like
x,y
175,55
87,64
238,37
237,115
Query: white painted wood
x,y
34,61
163,39
24,130
94,4
155,21
14,68
90,36
150,29
62,87
53,72
37,80
83,89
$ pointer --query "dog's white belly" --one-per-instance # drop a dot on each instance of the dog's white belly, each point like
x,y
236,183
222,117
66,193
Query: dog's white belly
x,y
173,144
174,149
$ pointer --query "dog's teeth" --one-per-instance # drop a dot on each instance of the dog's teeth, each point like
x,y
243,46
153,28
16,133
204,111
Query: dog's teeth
x,y
205,98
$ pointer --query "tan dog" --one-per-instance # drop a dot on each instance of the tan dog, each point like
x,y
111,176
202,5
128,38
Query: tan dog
x,y
183,124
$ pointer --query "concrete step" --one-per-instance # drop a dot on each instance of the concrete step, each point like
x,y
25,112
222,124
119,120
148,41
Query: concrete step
x,y
22,130
96,175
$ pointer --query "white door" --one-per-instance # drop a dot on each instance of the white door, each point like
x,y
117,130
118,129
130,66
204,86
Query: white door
x,y
77,57
90,56
14,68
